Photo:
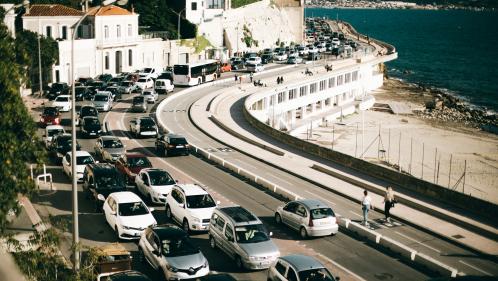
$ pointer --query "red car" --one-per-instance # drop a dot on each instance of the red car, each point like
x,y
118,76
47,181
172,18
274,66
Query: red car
x,y
225,67
50,116
130,164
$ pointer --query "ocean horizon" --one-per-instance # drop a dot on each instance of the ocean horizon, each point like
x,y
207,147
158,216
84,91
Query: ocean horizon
x,y
455,51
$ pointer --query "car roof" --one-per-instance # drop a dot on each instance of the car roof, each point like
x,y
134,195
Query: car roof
x,y
80,153
171,135
126,197
54,127
191,189
109,138
302,262
169,231
313,203
153,170
99,168
90,117
239,215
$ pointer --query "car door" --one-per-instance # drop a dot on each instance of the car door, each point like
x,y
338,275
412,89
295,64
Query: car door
x,y
150,245
299,216
107,210
279,271
287,212
113,214
174,207
230,243
141,181
291,274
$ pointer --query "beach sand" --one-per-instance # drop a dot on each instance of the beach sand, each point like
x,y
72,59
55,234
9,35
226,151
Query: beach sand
x,y
428,146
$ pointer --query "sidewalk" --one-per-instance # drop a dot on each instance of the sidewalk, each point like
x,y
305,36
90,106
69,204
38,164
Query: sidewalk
x,y
295,163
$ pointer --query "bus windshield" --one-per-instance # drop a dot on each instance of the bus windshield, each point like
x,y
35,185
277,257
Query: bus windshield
x,y
180,69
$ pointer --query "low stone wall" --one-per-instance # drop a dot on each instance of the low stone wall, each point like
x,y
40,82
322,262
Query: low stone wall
x,y
405,181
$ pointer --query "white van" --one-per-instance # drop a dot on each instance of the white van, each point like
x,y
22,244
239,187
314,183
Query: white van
x,y
164,86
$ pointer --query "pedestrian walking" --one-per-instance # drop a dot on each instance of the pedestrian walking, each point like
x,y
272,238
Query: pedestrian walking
x,y
236,78
251,76
281,79
240,79
388,203
278,80
366,205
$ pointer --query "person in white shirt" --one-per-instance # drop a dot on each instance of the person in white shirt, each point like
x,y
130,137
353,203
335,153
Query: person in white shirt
x,y
366,205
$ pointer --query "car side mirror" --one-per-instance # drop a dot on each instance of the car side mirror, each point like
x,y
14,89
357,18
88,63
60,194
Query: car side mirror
x,y
100,196
181,205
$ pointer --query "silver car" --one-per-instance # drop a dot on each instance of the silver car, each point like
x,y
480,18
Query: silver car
x,y
109,148
169,250
299,268
103,101
150,95
243,237
309,216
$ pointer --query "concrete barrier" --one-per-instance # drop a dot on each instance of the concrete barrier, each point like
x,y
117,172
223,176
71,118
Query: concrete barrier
x,y
371,235
435,265
395,246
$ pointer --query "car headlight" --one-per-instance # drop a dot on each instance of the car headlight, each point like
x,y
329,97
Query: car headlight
x,y
171,268
196,219
253,258
125,227
100,131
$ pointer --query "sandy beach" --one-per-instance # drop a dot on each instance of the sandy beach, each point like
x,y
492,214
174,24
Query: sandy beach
x,y
445,150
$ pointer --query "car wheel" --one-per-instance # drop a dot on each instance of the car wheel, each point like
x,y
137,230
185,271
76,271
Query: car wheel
x,y
278,218
212,242
303,233
168,212
185,225
141,256
238,263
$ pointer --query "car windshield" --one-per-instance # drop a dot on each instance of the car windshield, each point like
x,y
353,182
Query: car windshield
x,y
109,181
50,111
64,141
92,121
138,162
100,98
62,99
251,233
321,213
178,247
126,84
141,80
138,99
200,201
178,141
54,132
83,160
88,111
147,122
147,70
80,90
147,93
57,86
112,143
132,209
159,177
316,274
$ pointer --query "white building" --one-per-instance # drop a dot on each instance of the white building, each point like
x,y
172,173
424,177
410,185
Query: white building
x,y
10,18
107,41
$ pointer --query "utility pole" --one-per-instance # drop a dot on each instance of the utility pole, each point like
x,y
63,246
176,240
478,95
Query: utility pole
x,y
39,63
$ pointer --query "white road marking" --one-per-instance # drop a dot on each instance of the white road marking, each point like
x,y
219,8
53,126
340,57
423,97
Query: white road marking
x,y
341,267
356,214
328,201
244,163
475,268
280,179
418,242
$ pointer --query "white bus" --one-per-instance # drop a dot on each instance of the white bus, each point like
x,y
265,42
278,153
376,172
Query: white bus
x,y
195,73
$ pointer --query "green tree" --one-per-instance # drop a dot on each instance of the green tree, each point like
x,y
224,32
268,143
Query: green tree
x,y
18,144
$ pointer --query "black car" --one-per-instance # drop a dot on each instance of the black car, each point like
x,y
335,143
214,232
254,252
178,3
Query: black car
x,y
116,94
61,144
237,64
104,77
172,144
139,104
94,87
57,89
266,58
101,178
81,92
87,110
249,55
90,126
84,80
166,75
129,275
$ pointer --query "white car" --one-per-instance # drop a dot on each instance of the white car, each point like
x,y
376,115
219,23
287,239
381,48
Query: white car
x,y
144,83
62,102
253,60
150,95
50,132
280,56
149,72
127,214
164,86
191,206
154,184
83,158
313,50
255,67
302,50
336,41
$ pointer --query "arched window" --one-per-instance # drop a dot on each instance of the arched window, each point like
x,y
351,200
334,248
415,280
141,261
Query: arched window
x,y
118,31
106,62
130,57
106,31
64,32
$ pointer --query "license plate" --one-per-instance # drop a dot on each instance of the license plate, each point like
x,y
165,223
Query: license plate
x,y
92,134
179,146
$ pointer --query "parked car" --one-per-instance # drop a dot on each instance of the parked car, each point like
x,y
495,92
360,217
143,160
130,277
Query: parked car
x,y
255,67
299,268
172,144
169,250
109,148
130,164
103,101
253,60
143,127
308,216
150,95
154,184
90,127
63,103
128,275
127,214
139,104
50,116
294,60
81,92
84,80
101,179
282,56
96,86
248,56
50,132
191,206
225,67
164,86
61,144
57,89
144,83
237,63
86,110
243,237
313,56
114,81
83,158
126,87
266,58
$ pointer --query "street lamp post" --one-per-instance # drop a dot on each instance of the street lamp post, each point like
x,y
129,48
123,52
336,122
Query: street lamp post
x,y
76,251
179,23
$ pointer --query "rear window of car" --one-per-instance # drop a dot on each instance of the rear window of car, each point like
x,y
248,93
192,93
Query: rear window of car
x,y
138,99
62,99
321,213
50,111
176,141
141,80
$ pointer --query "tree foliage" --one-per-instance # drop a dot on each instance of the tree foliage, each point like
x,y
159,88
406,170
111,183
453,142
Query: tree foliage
x,y
18,144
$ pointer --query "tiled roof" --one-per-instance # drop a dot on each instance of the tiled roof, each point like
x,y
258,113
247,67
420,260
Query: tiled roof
x,y
52,10
110,10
